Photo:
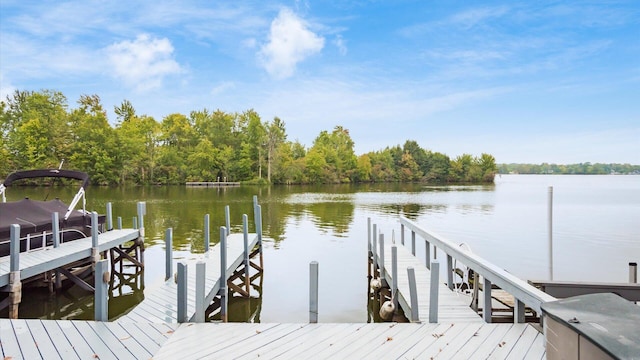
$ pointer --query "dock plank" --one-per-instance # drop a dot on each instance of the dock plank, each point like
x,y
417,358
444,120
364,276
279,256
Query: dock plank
x,y
451,306
9,342
37,262
352,341
44,342
160,302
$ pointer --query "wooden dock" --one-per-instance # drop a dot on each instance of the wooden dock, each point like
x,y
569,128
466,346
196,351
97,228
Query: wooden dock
x,y
452,306
160,304
39,261
212,183
65,339
55,339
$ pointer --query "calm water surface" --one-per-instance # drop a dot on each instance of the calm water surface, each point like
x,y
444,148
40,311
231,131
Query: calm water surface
x,y
596,234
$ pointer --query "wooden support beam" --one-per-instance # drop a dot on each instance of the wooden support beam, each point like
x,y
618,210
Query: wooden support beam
x,y
101,291
15,285
76,280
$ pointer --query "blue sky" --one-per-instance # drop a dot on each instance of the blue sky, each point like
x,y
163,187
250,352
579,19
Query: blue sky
x,y
537,81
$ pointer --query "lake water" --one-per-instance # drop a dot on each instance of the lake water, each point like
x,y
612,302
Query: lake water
x,y
596,232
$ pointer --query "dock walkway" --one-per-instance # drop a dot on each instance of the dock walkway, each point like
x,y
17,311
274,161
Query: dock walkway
x,y
55,339
160,304
452,306
39,261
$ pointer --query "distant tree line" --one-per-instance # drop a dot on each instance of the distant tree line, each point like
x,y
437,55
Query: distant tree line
x,y
582,168
39,130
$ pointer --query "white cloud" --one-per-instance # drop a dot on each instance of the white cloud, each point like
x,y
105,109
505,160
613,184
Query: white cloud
x,y
340,43
144,62
222,88
290,42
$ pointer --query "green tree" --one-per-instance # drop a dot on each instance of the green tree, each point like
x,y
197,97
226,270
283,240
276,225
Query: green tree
x,y
276,135
94,147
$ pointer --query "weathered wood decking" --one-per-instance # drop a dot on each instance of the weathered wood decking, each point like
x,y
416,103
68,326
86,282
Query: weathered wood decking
x,y
64,339
212,183
452,306
54,339
161,305
354,341
39,261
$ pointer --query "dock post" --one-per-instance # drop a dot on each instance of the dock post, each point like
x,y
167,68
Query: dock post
x,y
55,232
486,294
402,234
369,234
427,251
206,233
369,253
433,291
394,276
135,222
381,258
15,285
101,295
109,217
259,233
450,272
182,292
95,255
200,283
374,249
142,211
413,294
313,292
55,229
168,250
633,272
518,312
245,234
227,219
223,274
119,222
413,243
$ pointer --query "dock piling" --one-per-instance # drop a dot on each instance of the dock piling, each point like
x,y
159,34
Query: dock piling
x,y
486,306
200,284
101,295
227,219
109,217
182,292
55,229
245,234
313,292
119,222
381,258
168,240
374,248
394,276
413,243
402,234
413,294
206,233
95,255
427,251
518,312
633,272
142,211
433,291
15,285
223,274
450,272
